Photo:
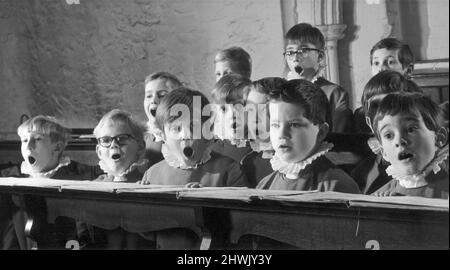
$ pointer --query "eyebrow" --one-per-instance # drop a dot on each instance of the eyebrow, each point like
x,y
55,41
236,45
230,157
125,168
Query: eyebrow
x,y
412,119
381,129
297,119
409,118
151,90
378,57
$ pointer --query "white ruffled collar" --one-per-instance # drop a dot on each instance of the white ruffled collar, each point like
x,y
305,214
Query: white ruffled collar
x,y
419,180
374,145
239,143
174,162
26,169
260,146
292,170
122,177
156,132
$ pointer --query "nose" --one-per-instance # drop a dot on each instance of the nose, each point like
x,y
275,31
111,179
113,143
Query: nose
x,y
30,144
284,132
384,67
154,99
401,141
185,133
114,144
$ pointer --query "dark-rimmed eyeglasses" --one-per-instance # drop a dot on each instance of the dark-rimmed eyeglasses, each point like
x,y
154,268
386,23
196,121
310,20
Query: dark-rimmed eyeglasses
x,y
301,52
120,139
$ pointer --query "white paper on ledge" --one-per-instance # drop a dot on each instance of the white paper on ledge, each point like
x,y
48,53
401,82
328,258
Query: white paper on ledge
x,y
178,189
40,182
365,200
242,194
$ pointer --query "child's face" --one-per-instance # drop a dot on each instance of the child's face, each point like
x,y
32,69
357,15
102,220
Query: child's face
x,y
180,142
407,143
293,136
230,122
223,68
39,152
154,91
261,127
309,59
119,149
385,59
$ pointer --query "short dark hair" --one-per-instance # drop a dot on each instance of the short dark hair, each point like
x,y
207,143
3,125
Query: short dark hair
x,y
231,88
411,103
306,33
268,85
172,81
240,60
308,95
385,82
405,55
182,95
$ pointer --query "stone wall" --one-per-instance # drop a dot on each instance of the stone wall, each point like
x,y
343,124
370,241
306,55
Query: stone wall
x,y
79,61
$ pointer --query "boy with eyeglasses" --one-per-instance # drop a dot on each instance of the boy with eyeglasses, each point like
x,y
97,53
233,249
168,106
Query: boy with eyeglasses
x,y
305,55
120,148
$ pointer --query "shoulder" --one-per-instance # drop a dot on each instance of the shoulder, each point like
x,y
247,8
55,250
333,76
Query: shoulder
x,y
218,159
160,166
391,185
329,170
267,181
337,179
331,88
80,171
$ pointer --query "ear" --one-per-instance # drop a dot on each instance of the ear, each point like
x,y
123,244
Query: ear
x,y
59,147
97,150
409,70
323,132
321,55
441,137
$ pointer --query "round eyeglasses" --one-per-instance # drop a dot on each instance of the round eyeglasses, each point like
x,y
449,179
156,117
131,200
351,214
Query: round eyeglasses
x,y
302,52
120,139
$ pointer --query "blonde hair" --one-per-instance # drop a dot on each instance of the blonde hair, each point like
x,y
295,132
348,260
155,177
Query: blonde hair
x,y
45,125
171,81
137,129
239,59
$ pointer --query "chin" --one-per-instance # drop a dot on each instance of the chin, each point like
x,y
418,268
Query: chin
x,y
409,170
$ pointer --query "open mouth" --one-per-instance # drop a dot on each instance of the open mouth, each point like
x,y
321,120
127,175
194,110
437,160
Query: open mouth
x,y
115,156
153,112
31,160
404,156
298,69
188,151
